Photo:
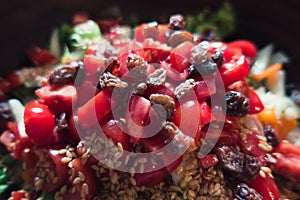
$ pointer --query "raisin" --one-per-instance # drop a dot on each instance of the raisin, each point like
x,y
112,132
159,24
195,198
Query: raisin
x,y
207,34
193,72
176,22
270,134
109,81
112,65
65,75
179,141
166,101
237,165
244,192
218,57
137,66
157,78
237,104
202,60
185,88
140,88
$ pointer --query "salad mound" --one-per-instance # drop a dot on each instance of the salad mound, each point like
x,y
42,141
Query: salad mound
x,y
154,113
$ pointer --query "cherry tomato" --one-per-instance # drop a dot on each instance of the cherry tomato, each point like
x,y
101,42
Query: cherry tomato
x,y
205,89
248,48
235,70
256,106
58,100
39,123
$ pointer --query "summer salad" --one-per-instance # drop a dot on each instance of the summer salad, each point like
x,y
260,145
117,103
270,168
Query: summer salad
x,y
154,112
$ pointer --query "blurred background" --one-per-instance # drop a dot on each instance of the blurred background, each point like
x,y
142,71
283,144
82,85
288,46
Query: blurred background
x,y
24,23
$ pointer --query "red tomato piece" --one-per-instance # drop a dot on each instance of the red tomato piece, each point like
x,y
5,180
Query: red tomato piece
x,y
248,48
111,128
95,109
39,123
58,100
209,160
39,56
205,89
256,106
180,56
88,185
156,55
250,145
287,148
92,63
205,116
149,179
153,143
266,187
235,70
187,118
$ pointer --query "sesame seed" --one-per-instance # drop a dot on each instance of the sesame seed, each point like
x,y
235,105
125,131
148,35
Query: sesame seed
x,y
81,176
66,160
262,173
85,188
76,180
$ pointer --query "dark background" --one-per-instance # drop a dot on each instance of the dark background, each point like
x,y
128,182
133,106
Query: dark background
x,y
23,23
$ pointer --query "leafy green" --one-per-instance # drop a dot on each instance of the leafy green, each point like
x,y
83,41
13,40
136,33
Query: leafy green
x,y
3,180
222,21
82,34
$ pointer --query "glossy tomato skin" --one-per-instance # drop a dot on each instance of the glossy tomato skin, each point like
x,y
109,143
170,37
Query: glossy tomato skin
x,y
266,187
209,160
39,123
95,109
256,105
89,182
247,48
234,70
58,100
180,56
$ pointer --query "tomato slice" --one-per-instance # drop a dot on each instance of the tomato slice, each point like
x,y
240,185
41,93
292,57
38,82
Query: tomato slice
x,y
256,106
205,88
180,56
235,70
187,118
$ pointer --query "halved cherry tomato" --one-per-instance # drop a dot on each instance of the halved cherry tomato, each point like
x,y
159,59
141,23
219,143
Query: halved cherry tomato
x,y
248,48
235,70
39,123
58,100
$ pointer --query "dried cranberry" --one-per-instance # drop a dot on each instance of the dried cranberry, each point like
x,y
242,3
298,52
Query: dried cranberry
x,y
237,104
176,22
270,134
244,192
